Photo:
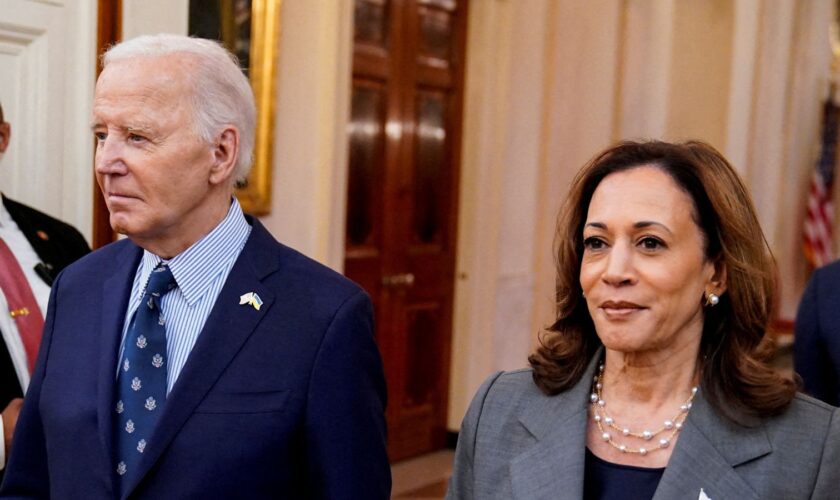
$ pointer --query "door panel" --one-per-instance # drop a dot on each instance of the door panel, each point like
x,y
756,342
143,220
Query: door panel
x,y
402,200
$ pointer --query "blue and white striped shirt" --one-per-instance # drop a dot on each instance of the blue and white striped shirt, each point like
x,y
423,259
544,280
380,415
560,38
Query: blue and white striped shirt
x,y
200,272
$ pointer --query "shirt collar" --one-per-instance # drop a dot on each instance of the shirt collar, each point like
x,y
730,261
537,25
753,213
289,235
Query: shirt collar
x,y
196,267
5,216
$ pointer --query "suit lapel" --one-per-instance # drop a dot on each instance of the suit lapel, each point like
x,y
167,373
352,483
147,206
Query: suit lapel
x,y
114,302
226,330
34,235
549,469
706,453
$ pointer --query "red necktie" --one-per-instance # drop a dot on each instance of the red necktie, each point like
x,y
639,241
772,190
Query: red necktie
x,y
22,304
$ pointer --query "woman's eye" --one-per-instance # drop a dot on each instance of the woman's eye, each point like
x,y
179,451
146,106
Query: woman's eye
x,y
593,243
650,243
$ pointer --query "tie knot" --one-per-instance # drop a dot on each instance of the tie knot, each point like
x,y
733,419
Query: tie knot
x,y
160,282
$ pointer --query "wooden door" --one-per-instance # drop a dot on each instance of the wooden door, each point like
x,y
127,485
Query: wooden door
x,y
404,136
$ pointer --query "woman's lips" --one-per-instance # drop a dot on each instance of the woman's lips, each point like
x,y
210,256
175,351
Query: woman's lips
x,y
620,309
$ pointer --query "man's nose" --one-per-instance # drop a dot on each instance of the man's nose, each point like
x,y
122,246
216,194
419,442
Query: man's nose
x,y
109,157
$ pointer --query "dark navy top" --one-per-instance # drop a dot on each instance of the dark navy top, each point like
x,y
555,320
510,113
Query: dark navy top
x,y
608,481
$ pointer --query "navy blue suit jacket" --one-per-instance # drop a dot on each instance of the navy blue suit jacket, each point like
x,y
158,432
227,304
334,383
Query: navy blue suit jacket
x,y
284,402
817,340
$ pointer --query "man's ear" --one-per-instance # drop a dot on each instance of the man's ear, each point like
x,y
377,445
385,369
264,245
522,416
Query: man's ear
x,y
225,153
5,135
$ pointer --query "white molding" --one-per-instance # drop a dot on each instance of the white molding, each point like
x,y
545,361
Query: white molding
x,y
58,3
11,32
77,174
28,46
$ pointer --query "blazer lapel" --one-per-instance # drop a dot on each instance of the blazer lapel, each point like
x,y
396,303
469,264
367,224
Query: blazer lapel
x,y
36,236
706,453
226,330
549,469
114,302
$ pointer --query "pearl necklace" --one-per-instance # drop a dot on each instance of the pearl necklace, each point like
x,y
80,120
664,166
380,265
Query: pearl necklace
x,y
599,414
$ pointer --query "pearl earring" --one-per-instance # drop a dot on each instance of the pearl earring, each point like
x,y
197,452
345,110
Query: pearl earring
x,y
712,299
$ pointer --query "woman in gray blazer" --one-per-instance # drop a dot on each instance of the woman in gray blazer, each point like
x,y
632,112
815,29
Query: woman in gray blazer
x,y
654,381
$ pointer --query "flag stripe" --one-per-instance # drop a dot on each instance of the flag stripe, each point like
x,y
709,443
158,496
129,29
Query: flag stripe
x,y
819,216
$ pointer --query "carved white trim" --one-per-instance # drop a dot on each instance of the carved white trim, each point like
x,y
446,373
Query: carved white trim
x,y
27,47
59,3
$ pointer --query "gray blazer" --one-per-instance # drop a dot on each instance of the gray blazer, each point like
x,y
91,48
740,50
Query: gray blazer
x,y
517,443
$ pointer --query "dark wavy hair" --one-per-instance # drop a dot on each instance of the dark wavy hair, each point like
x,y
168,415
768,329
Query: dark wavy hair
x,y
735,352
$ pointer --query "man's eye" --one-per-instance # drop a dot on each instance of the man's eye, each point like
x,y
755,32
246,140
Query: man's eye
x,y
136,138
593,243
100,136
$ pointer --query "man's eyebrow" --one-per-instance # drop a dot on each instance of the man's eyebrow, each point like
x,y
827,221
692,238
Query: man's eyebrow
x,y
140,127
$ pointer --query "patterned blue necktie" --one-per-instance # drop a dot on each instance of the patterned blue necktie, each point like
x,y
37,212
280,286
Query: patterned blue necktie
x,y
142,377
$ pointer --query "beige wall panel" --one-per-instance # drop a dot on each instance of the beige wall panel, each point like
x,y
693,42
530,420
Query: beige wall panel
x,y
743,74
644,65
770,110
809,75
701,60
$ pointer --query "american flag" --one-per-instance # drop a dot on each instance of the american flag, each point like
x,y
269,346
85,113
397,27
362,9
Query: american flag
x,y
820,216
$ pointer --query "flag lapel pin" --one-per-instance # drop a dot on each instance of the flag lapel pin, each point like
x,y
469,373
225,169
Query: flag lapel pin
x,y
252,299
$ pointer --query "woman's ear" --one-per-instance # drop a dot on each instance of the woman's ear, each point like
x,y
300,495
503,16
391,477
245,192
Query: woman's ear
x,y
225,153
718,281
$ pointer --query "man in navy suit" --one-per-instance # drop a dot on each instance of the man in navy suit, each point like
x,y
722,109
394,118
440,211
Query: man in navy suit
x,y
816,346
265,381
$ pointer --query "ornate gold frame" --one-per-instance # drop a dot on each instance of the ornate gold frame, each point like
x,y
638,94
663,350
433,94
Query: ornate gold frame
x,y
255,196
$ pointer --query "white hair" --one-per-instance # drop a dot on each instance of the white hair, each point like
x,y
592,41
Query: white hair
x,y
221,93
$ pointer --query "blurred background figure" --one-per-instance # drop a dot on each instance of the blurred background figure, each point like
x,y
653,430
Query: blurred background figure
x,y
34,248
817,346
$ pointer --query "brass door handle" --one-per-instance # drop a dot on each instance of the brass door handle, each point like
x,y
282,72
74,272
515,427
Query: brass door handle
x,y
398,280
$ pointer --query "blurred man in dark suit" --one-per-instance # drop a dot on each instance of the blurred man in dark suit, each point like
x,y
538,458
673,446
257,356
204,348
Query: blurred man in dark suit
x,y
816,346
34,248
